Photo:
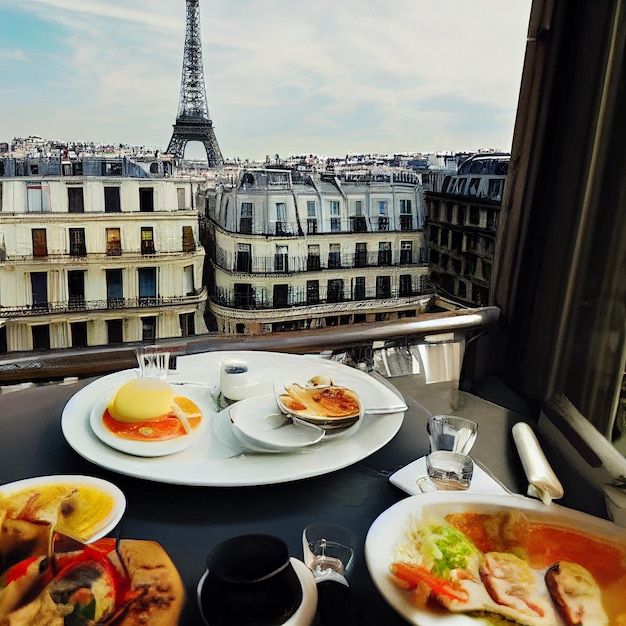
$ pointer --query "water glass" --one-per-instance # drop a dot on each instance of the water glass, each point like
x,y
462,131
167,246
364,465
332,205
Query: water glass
x,y
451,433
153,361
328,547
449,471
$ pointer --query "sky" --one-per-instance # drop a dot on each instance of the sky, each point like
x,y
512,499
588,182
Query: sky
x,y
283,77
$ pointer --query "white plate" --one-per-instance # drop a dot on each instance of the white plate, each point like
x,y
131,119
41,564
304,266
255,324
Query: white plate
x,y
149,448
212,463
388,529
260,423
107,525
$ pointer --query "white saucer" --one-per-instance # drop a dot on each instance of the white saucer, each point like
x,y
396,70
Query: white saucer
x,y
306,611
148,448
259,423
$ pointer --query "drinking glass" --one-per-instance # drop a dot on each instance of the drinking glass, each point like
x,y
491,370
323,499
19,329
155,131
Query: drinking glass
x,y
449,471
153,361
451,433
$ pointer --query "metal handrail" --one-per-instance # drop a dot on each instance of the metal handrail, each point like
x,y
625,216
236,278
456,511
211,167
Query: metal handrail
x,y
18,367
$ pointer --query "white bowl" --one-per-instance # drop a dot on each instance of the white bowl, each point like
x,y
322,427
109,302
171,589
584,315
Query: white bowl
x,y
260,424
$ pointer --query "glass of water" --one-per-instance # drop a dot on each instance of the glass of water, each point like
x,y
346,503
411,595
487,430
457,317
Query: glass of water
x,y
449,471
451,433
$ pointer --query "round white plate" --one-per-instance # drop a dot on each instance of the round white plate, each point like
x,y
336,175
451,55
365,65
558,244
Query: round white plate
x,y
261,424
148,448
211,462
306,611
389,528
107,525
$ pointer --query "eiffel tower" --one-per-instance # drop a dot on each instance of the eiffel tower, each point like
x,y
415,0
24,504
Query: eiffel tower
x,y
192,121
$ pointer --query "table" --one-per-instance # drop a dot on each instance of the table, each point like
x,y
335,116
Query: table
x,y
188,521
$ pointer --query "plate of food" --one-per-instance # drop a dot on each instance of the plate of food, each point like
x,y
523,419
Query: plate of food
x,y
82,507
461,559
129,581
317,398
149,417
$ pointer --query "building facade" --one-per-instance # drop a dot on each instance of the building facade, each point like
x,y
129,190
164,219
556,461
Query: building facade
x,y
293,250
461,225
97,251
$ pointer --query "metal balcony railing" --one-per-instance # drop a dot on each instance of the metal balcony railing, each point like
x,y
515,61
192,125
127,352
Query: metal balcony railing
x,y
441,326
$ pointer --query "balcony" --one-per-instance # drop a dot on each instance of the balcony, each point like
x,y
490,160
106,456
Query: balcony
x,y
79,304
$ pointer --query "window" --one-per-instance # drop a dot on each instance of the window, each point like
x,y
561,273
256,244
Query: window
x,y
147,240
280,296
311,208
40,242
180,197
75,200
383,286
312,291
335,225
189,241
147,286
245,221
77,242
334,290
188,281
313,258
244,296
559,261
406,252
333,208
112,200
280,259
335,219
39,290
148,328
115,331
38,198
146,199
359,288
110,167
358,224
358,208
311,226
243,261
115,291
187,324
41,337
406,216
76,288
405,288
360,255
382,207
334,255
384,253
78,331
281,218
114,242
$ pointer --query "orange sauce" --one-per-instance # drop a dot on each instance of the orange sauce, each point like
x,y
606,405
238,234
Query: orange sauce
x,y
165,428
543,544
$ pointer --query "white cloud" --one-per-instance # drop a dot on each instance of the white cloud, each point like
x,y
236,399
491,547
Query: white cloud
x,y
281,76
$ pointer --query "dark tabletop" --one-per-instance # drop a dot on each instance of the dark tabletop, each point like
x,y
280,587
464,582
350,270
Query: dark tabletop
x,y
189,521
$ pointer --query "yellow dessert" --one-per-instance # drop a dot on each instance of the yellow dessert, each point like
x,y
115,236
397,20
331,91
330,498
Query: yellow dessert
x,y
142,400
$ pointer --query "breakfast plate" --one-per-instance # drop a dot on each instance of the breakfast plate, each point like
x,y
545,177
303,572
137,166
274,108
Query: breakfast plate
x,y
149,448
391,529
212,460
89,494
